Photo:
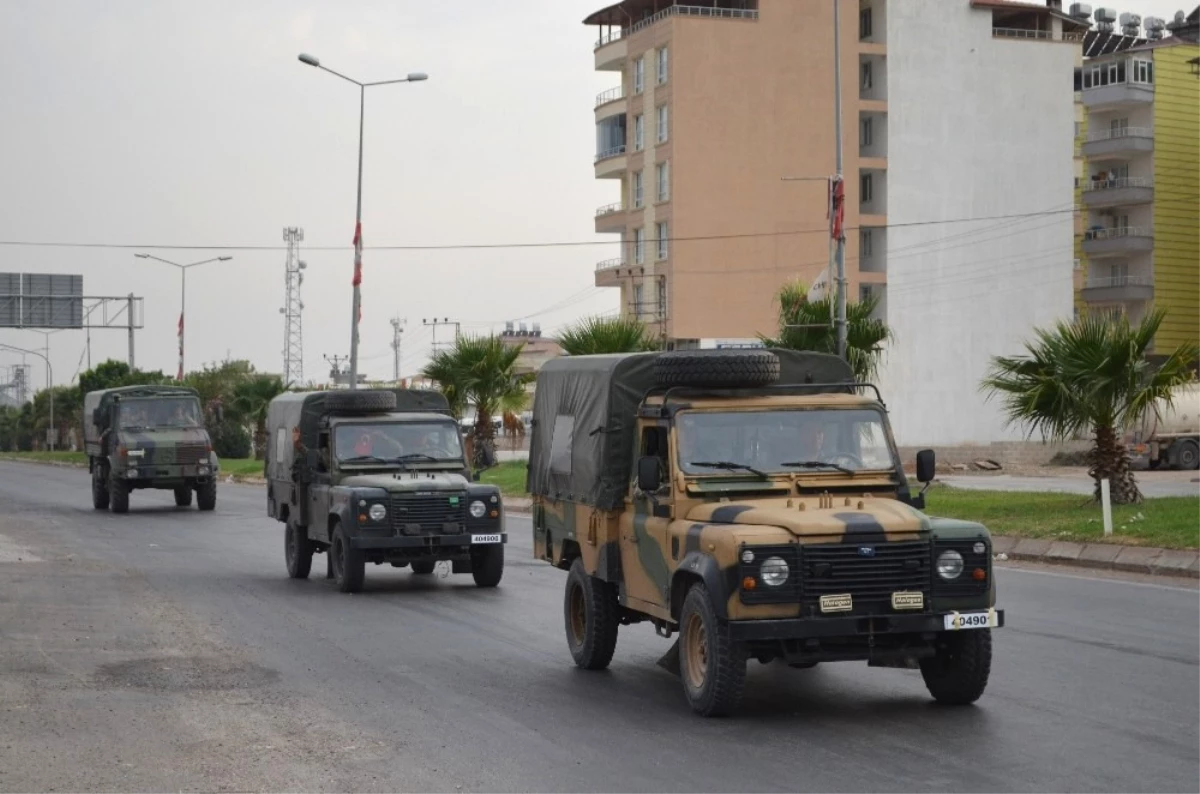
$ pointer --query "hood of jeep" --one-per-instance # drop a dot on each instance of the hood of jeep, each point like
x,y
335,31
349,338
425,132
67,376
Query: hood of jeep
x,y
860,517
406,481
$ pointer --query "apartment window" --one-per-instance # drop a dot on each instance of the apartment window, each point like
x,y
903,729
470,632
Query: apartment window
x,y
865,292
1117,127
663,235
639,246
865,136
865,243
865,68
1143,71
866,187
664,181
1078,128
639,133
663,121
1119,273
662,297
662,66
864,23
637,300
637,190
639,75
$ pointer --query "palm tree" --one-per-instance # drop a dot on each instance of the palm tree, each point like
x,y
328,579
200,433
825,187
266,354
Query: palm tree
x,y
1091,375
480,370
594,335
251,398
808,325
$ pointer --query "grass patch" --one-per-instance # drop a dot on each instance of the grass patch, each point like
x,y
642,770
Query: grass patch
x,y
235,466
508,476
1170,522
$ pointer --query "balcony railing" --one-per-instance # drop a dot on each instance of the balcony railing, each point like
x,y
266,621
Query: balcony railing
x,y
1119,281
609,209
1113,234
680,11
1119,182
609,264
1022,33
616,151
611,95
1120,132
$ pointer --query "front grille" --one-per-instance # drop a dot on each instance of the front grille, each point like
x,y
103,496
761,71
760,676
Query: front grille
x,y
788,592
176,455
442,513
869,572
965,584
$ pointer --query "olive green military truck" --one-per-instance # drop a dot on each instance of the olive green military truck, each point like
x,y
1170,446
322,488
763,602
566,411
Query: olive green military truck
x,y
378,476
752,502
148,437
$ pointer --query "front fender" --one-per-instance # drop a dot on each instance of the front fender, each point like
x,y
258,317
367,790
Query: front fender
x,y
697,564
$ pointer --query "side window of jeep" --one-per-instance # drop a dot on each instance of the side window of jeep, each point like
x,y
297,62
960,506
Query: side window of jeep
x,y
323,445
654,444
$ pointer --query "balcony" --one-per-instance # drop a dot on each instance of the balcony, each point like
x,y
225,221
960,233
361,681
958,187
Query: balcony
x,y
1117,95
1120,192
1118,242
608,272
1119,289
610,218
611,163
613,46
611,51
611,103
1119,144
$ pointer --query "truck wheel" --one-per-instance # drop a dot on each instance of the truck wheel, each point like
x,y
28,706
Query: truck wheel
x,y
349,565
716,368
206,494
959,673
360,401
99,488
118,491
423,567
183,496
711,664
298,551
487,564
592,613
1189,455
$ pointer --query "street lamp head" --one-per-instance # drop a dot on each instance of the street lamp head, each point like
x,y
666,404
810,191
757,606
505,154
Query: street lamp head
x,y
311,60
415,77
142,256
224,258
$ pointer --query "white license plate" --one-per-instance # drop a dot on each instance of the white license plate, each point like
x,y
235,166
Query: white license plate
x,y
485,538
957,621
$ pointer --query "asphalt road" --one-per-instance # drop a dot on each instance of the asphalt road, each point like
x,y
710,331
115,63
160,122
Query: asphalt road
x,y
168,650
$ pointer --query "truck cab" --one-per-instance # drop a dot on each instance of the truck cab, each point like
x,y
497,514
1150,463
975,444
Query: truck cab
x,y
356,475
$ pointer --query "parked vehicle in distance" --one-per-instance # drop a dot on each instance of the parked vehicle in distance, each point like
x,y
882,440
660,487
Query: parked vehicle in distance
x,y
1172,438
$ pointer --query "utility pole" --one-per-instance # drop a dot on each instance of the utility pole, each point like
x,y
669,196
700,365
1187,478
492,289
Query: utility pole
x,y
129,312
398,324
839,193
434,323
293,332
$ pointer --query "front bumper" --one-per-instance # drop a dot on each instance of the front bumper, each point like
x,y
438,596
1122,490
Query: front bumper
x,y
153,473
801,629
414,542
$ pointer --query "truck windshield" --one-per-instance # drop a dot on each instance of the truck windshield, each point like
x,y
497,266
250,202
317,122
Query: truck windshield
x,y
160,412
397,442
750,442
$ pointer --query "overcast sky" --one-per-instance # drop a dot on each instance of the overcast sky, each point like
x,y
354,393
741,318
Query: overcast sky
x,y
163,122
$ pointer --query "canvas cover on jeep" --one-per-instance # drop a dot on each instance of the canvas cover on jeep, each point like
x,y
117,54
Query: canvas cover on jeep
x,y
106,397
584,412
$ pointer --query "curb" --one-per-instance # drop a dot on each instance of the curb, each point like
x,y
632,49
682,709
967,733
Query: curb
x,y
1100,556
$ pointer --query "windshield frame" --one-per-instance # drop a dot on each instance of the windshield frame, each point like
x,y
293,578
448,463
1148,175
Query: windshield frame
x,y
776,471
355,462
149,400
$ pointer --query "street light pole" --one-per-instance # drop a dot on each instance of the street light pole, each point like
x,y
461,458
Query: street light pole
x,y
49,387
182,295
356,303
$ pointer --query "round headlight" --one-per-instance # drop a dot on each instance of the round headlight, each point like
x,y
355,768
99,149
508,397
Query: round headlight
x,y
979,547
377,512
949,564
478,509
774,571
747,556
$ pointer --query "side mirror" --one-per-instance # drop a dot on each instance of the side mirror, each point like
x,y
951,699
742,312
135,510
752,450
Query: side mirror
x,y
97,417
475,476
926,466
649,477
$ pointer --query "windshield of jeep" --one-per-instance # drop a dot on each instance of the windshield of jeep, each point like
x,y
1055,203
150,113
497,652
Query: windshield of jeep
x,y
743,443
160,413
397,443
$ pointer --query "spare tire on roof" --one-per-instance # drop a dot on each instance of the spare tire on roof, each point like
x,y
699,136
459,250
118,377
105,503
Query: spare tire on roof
x,y
744,368
370,401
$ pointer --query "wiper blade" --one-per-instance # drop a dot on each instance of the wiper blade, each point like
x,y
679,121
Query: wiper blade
x,y
728,465
363,459
816,464
414,455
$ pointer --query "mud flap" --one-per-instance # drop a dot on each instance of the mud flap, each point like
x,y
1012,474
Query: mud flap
x,y
329,563
670,660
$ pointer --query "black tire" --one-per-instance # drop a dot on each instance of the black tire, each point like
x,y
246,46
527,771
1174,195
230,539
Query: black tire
x,y
591,614
183,497
423,567
349,565
99,488
118,494
959,673
297,551
206,495
1189,455
487,564
371,401
716,368
711,665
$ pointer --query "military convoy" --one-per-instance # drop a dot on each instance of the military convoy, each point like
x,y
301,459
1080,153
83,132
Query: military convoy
x,y
148,437
752,502
378,476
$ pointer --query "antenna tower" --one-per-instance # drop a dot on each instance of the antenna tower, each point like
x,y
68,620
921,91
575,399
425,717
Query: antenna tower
x,y
398,324
293,336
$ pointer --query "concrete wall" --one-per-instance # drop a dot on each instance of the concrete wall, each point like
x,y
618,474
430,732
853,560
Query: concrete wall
x,y
977,127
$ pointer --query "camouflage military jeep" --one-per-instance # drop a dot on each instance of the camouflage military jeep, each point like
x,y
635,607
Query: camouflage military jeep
x,y
378,476
148,437
753,502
